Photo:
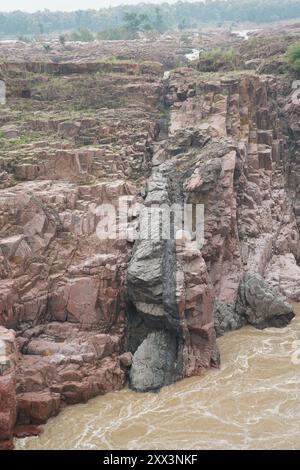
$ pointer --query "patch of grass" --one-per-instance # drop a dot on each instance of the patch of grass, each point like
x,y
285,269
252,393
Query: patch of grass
x,y
218,59
23,139
118,60
293,56
53,83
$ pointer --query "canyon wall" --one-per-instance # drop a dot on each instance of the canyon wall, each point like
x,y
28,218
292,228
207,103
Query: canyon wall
x,y
81,315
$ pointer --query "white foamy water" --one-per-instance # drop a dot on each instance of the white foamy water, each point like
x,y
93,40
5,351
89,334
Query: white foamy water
x,y
253,401
194,55
244,33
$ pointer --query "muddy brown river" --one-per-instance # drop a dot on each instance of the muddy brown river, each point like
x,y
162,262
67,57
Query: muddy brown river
x,y
252,402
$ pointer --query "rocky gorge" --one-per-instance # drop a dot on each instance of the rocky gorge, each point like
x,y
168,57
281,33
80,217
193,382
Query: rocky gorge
x,y
81,316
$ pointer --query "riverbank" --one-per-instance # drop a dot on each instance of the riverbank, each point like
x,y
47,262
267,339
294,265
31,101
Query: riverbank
x,y
252,401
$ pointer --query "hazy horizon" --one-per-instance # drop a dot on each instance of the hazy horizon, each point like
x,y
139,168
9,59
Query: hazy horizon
x,y
71,5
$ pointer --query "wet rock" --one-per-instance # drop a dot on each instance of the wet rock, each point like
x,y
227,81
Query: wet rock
x,y
8,403
6,445
260,304
28,430
228,142
168,286
37,407
226,318
154,363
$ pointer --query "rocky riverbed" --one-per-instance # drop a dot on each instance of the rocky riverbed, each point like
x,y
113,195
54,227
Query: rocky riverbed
x,y
81,316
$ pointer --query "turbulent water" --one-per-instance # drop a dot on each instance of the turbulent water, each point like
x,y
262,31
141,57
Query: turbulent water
x,y
244,33
253,401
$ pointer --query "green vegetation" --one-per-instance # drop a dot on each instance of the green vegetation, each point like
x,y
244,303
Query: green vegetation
x,y
218,59
23,139
113,34
83,35
47,47
186,40
122,20
293,55
62,39
24,38
133,24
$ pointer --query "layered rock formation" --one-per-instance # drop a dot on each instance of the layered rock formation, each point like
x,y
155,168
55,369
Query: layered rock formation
x,y
89,312
169,292
249,216
261,305
61,285
8,402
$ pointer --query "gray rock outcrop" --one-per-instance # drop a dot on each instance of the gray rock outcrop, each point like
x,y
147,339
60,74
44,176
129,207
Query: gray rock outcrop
x,y
155,362
260,304
257,304
226,318
170,329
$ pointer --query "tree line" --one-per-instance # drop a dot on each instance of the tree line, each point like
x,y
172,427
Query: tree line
x,y
129,19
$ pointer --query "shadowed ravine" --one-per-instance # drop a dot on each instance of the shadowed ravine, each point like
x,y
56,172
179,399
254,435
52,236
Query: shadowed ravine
x,y
251,402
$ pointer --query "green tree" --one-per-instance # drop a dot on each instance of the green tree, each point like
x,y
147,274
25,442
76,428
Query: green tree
x,y
86,35
41,28
159,23
162,18
182,24
62,39
83,35
134,22
113,34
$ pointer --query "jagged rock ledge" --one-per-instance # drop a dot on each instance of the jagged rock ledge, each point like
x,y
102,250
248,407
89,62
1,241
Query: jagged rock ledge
x,y
84,310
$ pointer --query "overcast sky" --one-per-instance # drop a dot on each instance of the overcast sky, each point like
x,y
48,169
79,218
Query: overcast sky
x,y
66,5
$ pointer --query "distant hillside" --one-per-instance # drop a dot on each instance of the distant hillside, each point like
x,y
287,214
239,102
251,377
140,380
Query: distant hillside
x,y
180,15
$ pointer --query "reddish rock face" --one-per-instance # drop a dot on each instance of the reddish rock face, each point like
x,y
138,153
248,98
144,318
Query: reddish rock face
x,y
87,311
6,445
195,301
8,402
22,431
8,406
61,285
82,297
248,211
37,407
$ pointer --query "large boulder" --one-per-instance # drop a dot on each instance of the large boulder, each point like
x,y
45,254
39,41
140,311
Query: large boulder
x,y
170,298
37,407
154,363
260,304
283,273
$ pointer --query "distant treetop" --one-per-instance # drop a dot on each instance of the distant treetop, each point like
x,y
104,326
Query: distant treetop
x,y
145,16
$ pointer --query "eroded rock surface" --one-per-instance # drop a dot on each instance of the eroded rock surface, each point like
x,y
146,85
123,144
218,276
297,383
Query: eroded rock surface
x,y
8,401
260,305
62,284
88,313
155,362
